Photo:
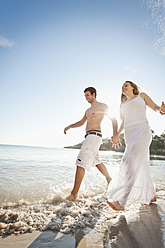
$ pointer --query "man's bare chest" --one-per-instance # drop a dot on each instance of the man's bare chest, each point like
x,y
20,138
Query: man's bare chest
x,y
94,114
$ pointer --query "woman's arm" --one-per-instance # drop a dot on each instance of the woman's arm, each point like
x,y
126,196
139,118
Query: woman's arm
x,y
152,105
149,102
121,127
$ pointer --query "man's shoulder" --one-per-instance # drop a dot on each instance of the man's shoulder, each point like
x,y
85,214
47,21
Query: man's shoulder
x,y
103,105
88,109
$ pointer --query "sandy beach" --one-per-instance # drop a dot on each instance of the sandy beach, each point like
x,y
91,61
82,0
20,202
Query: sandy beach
x,y
147,231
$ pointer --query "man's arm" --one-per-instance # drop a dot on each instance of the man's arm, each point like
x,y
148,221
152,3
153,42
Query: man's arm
x,y
77,124
115,139
114,126
114,121
121,127
114,143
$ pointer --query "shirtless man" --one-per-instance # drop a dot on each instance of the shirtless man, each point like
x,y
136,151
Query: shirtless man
x,y
88,155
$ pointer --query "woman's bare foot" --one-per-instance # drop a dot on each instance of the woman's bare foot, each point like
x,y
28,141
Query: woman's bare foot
x,y
153,200
115,206
71,197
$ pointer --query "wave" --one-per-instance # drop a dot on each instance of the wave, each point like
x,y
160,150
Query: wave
x,y
61,215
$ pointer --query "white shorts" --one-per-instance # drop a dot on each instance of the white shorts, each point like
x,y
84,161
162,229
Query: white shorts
x,y
89,153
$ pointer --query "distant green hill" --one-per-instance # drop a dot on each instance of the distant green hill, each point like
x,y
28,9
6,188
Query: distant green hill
x,y
157,146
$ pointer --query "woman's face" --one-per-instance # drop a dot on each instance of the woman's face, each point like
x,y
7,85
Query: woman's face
x,y
127,89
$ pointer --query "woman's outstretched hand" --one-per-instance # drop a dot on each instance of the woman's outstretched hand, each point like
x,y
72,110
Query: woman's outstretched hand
x,y
162,109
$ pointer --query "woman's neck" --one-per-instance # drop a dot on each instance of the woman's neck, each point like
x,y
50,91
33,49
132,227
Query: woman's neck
x,y
130,97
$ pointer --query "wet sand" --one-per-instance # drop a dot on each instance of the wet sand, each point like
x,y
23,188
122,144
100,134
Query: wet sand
x,y
147,231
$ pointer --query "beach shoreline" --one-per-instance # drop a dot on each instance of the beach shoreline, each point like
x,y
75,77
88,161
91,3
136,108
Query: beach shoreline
x,y
148,230
34,211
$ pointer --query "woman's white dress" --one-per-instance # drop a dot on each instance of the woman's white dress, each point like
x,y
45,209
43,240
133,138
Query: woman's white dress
x,y
133,181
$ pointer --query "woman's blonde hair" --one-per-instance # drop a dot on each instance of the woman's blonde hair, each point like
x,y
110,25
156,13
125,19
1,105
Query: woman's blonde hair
x,y
136,91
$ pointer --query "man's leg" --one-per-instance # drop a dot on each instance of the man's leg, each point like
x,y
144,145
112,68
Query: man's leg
x,y
80,172
101,167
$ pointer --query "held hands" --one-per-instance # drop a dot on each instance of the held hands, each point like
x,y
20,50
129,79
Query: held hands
x,y
162,109
115,141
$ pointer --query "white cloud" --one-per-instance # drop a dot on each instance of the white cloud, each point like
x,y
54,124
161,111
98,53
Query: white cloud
x,y
4,42
157,20
130,69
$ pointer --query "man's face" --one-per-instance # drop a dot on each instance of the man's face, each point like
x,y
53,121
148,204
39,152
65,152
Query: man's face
x,y
90,98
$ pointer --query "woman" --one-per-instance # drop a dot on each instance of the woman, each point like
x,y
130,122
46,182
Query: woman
x,y
133,181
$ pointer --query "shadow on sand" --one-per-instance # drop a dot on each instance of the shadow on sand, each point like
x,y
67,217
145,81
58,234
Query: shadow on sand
x,y
51,239
145,232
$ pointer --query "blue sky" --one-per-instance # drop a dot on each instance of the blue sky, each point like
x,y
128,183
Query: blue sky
x,y
51,50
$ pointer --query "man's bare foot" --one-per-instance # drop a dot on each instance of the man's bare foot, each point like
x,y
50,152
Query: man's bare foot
x,y
115,206
71,197
108,179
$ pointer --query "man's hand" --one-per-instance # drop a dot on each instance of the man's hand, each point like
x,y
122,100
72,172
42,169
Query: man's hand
x,y
115,141
66,128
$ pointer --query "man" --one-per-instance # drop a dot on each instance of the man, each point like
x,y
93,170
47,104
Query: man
x,y
88,155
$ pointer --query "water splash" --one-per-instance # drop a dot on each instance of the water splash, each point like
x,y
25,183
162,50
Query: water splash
x,y
61,215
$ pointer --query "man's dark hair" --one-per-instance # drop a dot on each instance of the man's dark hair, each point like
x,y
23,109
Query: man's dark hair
x,y
91,90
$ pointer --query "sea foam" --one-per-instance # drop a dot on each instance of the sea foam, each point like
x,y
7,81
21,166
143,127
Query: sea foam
x,y
64,216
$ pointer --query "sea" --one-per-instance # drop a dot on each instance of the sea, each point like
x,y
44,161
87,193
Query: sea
x,y
34,182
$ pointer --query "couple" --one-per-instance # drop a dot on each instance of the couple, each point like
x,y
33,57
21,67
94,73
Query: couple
x,y
132,182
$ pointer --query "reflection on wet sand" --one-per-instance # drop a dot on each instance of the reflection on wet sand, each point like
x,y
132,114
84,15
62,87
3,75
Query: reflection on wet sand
x,y
145,232
50,239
